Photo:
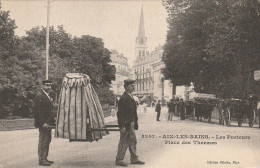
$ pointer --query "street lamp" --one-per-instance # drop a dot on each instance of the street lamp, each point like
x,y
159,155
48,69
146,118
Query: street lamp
x,y
47,39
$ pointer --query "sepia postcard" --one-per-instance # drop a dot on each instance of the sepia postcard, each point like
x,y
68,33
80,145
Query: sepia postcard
x,y
135,33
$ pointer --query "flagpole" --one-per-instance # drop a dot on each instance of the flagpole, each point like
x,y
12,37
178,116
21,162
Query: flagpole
x,y
47,40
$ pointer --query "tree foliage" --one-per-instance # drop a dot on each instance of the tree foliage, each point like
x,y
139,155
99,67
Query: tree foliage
x,y
214,44
22,64
84,54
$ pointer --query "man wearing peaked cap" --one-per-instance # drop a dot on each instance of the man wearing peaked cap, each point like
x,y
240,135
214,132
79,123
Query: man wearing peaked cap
x,y
127,122
43,119
129,81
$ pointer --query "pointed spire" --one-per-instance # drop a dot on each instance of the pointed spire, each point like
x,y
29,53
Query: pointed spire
x,y
141,32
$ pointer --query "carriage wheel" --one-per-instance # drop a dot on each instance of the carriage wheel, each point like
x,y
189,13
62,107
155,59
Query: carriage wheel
x,y
251,120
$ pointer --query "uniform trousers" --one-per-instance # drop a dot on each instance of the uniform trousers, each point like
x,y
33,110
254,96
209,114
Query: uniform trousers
x,y
44,143
127,140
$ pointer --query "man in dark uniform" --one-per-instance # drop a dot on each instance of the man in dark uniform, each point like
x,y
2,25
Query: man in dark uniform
x,y
171,107
43,120
158,110
127,122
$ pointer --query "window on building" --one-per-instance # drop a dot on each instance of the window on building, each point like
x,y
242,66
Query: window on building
x,y
143,53
140,52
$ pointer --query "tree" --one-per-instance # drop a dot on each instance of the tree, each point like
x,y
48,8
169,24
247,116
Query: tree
x,y
236,38
80,55
7,44
93,59
22,64
7,36
214,44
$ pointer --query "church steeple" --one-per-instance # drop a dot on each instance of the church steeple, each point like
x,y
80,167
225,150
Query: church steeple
x,y
141,32
140,49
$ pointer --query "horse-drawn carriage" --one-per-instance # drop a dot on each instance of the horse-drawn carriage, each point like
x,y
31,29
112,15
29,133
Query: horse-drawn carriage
x,y
237,109
200,108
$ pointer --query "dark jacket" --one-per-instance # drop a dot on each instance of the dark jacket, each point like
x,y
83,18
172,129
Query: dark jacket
x,y
158,107
171,107
43,111
127,111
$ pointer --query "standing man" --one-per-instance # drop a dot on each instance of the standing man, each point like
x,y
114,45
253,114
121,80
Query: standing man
x,y
43,120
171,107
127,122
158,110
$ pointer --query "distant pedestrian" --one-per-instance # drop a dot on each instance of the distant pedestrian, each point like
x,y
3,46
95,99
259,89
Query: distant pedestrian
x,y
176,103
158,110
43,119
181,109
171,109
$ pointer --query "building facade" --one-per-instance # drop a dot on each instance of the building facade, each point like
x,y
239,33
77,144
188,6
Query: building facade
x,y
122,72
147,69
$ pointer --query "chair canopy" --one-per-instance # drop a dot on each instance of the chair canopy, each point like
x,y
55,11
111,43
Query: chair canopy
x,y
79,110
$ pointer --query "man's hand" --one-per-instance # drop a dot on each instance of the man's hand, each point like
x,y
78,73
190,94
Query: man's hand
x,y
123,130
136,126
45,125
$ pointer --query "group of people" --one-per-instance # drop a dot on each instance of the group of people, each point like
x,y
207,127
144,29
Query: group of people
x,y
175,107
127,122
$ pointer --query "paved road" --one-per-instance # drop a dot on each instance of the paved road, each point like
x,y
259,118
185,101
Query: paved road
x,y
18,149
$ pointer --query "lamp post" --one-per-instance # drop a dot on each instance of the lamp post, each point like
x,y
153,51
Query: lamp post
x,y
47,40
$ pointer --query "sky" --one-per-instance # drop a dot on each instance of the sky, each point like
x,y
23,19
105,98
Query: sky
x,y
116,22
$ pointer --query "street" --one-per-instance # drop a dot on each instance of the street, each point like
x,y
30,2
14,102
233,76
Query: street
x,y
160,145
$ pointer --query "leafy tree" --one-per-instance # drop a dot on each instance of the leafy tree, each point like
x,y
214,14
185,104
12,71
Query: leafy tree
x,y
236,41
7,44
22,64
214,44
61,43
92,58
7,35
80,55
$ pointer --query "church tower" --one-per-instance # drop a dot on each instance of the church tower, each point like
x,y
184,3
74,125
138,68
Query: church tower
x,y
140,43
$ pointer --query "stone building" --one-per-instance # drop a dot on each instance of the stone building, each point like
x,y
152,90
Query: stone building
x,y
147,69
122,72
